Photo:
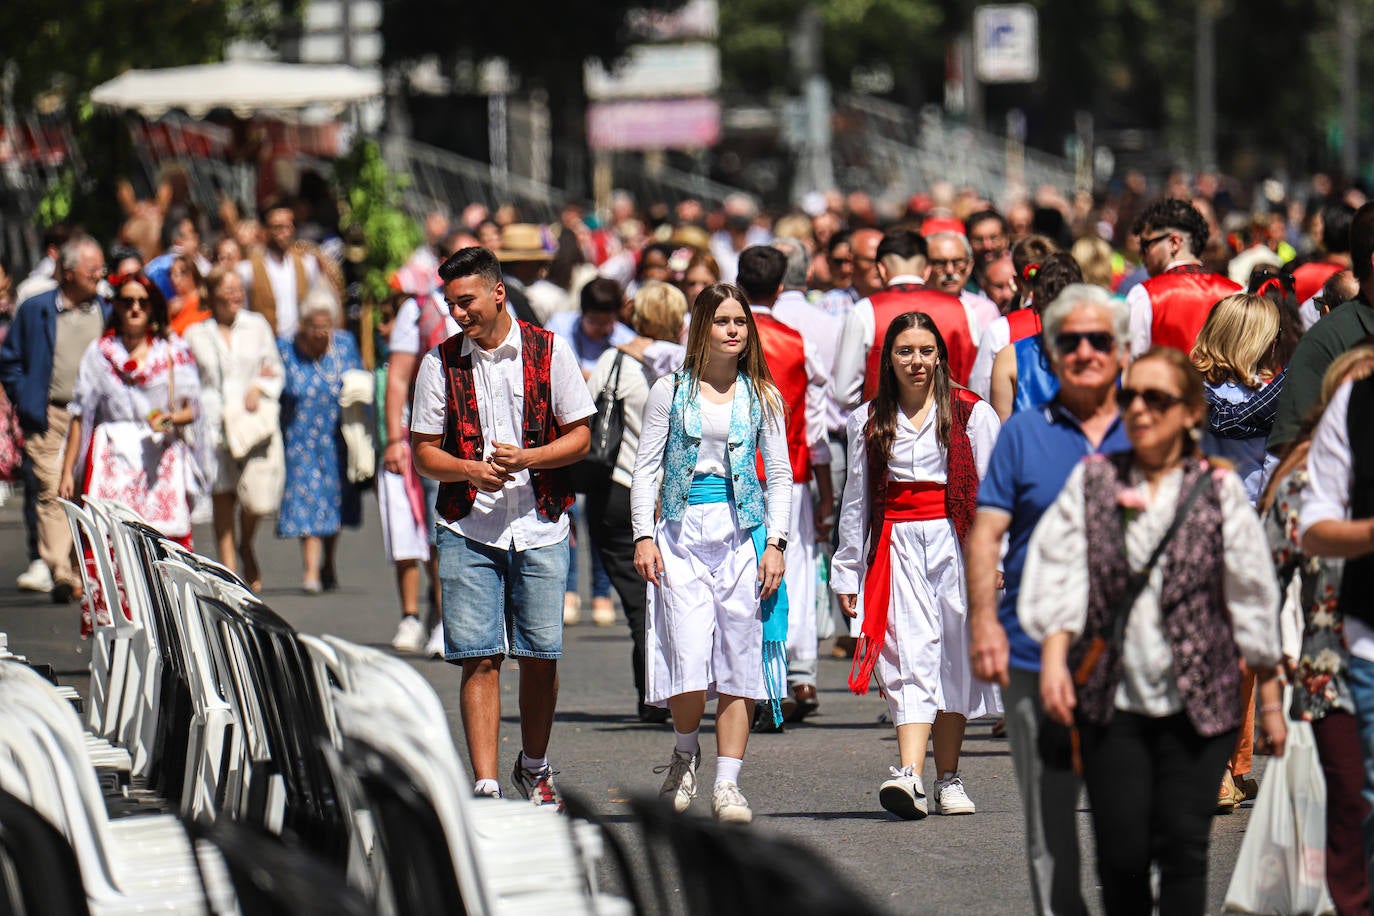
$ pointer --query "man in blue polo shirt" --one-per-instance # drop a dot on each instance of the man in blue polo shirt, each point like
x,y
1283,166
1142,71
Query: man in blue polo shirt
x,y
1086,333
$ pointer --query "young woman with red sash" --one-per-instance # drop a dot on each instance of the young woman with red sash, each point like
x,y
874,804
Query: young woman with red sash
x,y
916,454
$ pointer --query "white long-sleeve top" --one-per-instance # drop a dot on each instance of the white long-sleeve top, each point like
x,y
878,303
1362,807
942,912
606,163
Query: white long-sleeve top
x,y
712,456
917,456
1054,585
995,336
821,330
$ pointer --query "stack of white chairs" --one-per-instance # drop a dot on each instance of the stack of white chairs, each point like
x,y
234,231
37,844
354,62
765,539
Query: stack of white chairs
x,y
131,865
201,695
385,704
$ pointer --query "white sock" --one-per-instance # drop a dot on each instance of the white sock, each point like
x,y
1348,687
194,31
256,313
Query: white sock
x,y
533,764
486,787
727,769
687,742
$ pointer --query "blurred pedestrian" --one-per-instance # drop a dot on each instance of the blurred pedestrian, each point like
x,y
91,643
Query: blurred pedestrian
x,y
241,380
318,498
1151,677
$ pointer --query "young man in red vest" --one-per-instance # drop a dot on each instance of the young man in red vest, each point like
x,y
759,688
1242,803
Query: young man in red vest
x,y
802,380
1169,308
903,265
500,411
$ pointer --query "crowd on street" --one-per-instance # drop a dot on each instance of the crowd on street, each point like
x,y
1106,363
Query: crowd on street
x,y
1017,460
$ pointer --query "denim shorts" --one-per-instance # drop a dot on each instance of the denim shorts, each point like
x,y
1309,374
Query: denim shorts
x,y
501,601
430,487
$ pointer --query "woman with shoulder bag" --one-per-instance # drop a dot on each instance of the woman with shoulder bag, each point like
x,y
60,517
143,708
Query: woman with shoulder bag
x,y
658,313
241,384
1142,644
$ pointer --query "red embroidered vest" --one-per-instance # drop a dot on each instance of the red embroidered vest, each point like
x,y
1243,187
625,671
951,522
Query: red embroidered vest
x,y
945,310
1181,299
1023,323
463,436
1309,278
785,354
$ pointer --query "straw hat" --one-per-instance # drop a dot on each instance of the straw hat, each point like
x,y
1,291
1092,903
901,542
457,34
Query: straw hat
x,y
523,242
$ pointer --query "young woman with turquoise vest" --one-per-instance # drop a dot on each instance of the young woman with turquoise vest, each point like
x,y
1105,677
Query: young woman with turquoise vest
x,y
717,613
916,454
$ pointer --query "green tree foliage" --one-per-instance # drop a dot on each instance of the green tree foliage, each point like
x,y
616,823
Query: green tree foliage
x,y
370,194
906,36
75,45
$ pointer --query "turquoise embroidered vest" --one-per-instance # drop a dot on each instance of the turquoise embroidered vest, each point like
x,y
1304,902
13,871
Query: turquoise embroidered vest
x,y
684,442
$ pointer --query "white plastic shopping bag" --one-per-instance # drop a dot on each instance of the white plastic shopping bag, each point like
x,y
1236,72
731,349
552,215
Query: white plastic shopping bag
x,y
1281,868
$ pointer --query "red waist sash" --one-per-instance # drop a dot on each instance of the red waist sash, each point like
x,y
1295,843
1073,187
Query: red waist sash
x,y
906,502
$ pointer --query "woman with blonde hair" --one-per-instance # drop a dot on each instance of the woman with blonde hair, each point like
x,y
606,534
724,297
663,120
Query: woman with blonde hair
x,y
659,309
717,614
1236,352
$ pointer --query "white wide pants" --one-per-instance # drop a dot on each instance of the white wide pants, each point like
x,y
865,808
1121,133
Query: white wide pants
x,y
402,537
704,630
801,576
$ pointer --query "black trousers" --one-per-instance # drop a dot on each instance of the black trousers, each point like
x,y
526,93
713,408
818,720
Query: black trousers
x,y
1153,788
608,520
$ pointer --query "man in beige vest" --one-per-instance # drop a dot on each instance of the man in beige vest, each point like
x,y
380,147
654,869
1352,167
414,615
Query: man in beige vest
x,y
277,276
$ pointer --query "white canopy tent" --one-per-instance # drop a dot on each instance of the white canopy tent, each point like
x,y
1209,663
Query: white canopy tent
x,y
245,87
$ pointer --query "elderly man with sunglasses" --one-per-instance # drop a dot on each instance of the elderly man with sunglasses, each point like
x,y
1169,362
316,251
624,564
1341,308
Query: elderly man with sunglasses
x,y
38,364
1170,307
1086,332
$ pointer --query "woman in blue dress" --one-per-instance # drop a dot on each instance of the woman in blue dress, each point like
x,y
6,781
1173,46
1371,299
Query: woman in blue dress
x,y
318,498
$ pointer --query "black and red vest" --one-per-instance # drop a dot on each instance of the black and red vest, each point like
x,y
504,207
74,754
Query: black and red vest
x,y
945,310
1180,300
463,436
785,353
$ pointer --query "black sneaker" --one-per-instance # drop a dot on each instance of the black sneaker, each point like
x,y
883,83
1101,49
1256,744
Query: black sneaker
x,y
63,593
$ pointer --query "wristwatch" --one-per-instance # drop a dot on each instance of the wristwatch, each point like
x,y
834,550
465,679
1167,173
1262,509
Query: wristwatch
x,y
780,543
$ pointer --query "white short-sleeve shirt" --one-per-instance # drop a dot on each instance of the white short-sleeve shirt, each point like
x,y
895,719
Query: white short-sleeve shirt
x,y
508,516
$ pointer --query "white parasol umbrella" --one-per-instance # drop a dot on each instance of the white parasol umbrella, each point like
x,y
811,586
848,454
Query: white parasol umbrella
x,y
245,87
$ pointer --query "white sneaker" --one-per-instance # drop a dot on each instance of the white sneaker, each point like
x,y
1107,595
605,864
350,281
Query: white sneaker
x,y
603,612
435,647
680,785
950,797
572,610
729,805
37,578
903,794
410,635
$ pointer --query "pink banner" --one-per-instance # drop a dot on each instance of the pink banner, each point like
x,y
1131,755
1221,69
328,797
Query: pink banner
x,y
653,124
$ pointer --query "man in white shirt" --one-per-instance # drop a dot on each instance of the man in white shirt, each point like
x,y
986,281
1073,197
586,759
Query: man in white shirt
x,y
500,411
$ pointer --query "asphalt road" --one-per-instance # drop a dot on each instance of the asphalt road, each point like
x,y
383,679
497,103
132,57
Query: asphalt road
x,y
816,783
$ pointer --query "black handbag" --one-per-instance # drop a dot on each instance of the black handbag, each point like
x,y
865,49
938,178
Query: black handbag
x,y
608,428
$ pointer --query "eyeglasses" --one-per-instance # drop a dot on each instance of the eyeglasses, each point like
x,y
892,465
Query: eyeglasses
x,y
129,302
1069,341
949,263
906,355
1145,244
1156,401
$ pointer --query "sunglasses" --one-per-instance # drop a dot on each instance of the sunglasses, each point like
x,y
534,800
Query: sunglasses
x,y
130,301
1156,401
1146,244
1069,341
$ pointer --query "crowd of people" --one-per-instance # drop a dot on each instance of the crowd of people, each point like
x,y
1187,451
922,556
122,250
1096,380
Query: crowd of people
x,y
1019,465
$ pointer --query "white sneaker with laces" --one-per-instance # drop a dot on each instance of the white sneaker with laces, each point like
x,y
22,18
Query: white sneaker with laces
x,y
37,578
904,794
950,797
680,785
435,647
729,805
410,635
